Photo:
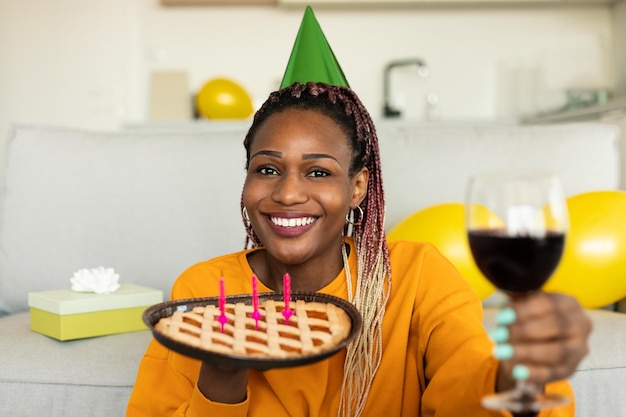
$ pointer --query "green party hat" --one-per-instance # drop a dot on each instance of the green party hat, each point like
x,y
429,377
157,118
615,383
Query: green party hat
x,y
311,58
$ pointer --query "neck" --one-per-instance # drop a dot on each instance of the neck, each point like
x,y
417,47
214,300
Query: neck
x,y
310,276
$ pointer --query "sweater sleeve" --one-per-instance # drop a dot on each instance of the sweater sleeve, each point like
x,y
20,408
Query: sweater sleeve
x,y
164,388
459,367
166,383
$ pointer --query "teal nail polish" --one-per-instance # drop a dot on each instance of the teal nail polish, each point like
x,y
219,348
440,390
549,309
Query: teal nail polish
x,y
520,372
503,352
506,316
499,334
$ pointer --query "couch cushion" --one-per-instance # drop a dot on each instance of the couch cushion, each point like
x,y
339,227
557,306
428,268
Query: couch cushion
x,y
148,204
97,374
68,378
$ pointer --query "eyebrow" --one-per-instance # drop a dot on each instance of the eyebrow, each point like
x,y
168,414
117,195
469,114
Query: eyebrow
x,y
319,156
305,156
268,153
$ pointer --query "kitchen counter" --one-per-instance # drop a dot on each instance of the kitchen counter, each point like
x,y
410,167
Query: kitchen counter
x,y
614,108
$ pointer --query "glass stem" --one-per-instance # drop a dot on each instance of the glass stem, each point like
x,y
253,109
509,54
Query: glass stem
x,y
526,392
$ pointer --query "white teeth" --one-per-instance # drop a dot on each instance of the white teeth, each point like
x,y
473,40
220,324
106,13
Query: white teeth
x,y
282,222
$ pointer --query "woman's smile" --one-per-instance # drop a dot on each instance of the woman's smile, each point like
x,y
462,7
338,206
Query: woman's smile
x,y
292,222
291,226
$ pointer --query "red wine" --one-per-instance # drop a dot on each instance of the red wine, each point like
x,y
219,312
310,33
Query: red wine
x,y
516,264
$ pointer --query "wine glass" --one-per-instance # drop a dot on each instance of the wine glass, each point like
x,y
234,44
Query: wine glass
x,y
516,224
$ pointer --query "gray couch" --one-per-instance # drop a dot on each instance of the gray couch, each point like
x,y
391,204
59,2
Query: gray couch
x,y
151,201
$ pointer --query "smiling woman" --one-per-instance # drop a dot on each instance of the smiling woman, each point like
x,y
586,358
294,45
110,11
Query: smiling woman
x,y
313,159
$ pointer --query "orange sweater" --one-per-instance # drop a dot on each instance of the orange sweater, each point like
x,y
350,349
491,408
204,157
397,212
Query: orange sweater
x,y
436,354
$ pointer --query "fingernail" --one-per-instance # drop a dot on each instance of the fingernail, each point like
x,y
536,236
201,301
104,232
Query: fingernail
x,y
499,334
503,352
506,316
520,372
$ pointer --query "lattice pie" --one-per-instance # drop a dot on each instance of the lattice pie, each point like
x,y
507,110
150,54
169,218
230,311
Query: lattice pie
x,y
314,327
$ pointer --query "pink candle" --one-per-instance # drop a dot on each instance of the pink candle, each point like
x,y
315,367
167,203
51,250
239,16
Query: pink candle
x,y
287,312
256,315
222,318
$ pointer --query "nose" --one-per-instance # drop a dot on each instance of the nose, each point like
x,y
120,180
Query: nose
x,y
290,189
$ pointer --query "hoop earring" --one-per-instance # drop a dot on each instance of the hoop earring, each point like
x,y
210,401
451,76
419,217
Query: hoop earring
x,y
352,218
244,213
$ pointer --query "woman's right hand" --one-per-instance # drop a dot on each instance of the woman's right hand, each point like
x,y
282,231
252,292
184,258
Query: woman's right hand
x,y
223,385
548,334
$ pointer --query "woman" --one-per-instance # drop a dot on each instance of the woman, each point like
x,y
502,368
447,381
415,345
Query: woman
x,y
313,205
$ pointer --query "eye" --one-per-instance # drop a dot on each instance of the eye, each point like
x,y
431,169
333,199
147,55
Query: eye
x,y
267,170
318,173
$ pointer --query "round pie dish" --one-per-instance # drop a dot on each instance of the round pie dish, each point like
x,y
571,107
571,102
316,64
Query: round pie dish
x,y
153,314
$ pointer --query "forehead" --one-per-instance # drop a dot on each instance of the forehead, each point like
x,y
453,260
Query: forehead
x,y
301,127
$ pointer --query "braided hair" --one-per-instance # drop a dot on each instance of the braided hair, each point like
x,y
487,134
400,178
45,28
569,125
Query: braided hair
x,y
344,107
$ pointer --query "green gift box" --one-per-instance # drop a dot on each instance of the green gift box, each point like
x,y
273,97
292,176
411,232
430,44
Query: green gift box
x,y
68,315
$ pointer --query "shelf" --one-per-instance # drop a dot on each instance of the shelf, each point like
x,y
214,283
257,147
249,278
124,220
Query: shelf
x,y
388,3
218,2
444,3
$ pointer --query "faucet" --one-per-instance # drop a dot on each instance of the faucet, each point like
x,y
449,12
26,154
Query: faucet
x,y
422,71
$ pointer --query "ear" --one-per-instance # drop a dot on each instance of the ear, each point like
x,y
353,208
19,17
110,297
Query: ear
x,y
359,186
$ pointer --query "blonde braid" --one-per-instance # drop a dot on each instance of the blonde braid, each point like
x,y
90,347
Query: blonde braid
x,y
365,352
373,278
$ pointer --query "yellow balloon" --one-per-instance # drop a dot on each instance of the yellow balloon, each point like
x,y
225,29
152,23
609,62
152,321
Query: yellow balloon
x,y
221,98
443,225
593,266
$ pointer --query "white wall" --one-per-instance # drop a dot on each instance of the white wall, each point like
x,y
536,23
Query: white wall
x,y
484,63
86,63
64,61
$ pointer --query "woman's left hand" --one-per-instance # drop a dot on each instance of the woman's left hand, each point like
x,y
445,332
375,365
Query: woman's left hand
x,y
549,336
